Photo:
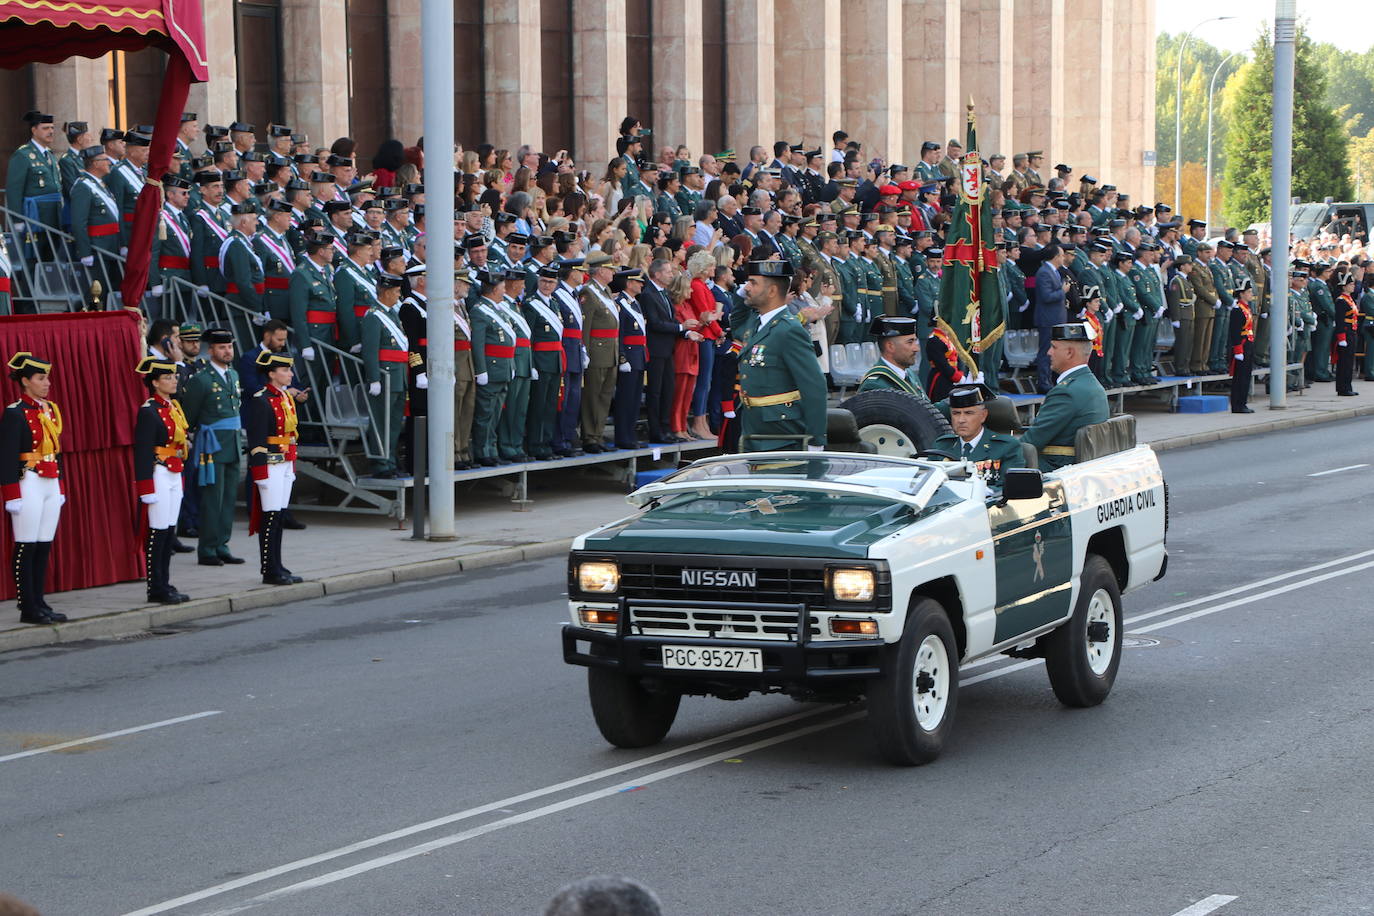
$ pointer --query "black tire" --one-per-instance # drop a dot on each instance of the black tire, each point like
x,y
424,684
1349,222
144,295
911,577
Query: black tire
x,y
918,420
627,714
892,714
1068,653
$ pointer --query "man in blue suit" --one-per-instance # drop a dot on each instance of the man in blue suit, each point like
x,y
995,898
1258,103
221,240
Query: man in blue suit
x,y
1051,309
629,380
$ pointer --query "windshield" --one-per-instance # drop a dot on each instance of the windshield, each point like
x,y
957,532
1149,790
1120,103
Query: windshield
x,y
863,470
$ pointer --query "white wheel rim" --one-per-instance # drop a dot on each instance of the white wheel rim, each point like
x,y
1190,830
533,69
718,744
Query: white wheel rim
x,y
888,440
930,694
1101,610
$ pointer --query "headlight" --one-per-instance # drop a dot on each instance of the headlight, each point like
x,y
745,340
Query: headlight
x,y
852,584
598,578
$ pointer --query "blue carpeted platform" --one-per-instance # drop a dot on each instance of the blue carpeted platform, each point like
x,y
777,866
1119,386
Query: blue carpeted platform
x,y
647,477
1203,403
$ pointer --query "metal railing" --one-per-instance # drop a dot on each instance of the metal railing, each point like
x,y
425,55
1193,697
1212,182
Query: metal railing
x,y
47,275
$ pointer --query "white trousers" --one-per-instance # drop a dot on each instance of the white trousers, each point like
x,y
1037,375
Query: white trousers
x,y
275,491
37,518
167,487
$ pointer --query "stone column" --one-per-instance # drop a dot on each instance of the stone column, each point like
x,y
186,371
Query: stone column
x,y
514,75
315,85
987,58
1087,119
807,70
931,43
871,107
406,95
679,88
599,97
77,89
1038,79
749,99
1133,114
217,100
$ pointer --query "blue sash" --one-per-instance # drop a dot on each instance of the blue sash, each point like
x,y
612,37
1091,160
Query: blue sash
x,y
207,443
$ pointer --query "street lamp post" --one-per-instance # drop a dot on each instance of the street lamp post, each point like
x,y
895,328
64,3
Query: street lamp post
x,y
1210,91
1178,113
1285,39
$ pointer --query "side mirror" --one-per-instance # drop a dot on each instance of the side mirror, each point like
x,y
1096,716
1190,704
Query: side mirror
x,y
1022,483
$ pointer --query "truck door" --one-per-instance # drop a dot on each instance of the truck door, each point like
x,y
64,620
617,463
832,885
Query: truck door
x,y
1032,544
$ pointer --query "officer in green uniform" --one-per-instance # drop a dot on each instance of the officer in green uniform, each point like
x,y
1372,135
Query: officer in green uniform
x,y
310,294
546,344
1076,400
627,148
887,271
782,390
906,277
1099,274
1367,333
787,241
1014,286
240,264
1318,363
510,434
992,453
493,361
386,355
171,255
1181,299
1219,357
69,165
125,181
278,258
687,195
897,352
668,186
211,402
870,281
95,220
1149,296
355,291
852,302
1122,263
209,228
830,264
33,185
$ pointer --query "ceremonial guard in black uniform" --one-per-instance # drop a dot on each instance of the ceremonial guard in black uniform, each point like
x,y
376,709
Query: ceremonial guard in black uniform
x,y
31,481
1241,336
272,461
160,452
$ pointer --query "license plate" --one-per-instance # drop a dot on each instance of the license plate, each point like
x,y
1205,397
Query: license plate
x,y
705,658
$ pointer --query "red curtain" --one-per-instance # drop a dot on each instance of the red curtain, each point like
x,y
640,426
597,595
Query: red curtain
x,y
95,386
176,82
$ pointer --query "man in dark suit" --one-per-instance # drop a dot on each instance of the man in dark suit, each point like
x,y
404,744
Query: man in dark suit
x,y
565,439
664,330
1051,308
629,380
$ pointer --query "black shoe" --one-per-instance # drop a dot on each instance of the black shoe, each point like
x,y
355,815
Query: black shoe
x,y
488,462
178,547
1242,410
593,448
38,618
230,560
56,617
290,524
1347,394
279,579
210,561
167,598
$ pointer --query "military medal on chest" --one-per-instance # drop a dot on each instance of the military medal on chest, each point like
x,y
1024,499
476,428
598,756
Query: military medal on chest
x,y
756,357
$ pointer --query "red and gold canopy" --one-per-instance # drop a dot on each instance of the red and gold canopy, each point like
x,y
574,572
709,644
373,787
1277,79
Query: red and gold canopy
x,y
49,31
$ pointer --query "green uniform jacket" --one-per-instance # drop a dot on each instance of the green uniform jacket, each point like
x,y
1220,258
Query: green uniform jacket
x,y
278,263
34,173
1126,291
666,203
377,337
870,282
206,398
312,290
630,182
994,454
597,315
524,361
846,290
887,287
69,166
928,288
1367,307
125,184
243,274
1015,282
487,331
1319,294
776,360
906,287
546,326
1077,401
1147,291
881,377
171,248
790,250
205,243
687,200
355,291
92,208
1221,281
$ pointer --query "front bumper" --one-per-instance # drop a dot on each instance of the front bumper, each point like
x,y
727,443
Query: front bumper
x,y
785,662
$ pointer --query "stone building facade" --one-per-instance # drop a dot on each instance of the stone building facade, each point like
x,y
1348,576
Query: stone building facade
x,y
1072,77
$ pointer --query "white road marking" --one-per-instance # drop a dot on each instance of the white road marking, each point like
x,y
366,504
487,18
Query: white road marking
x,y
48,749
656,776
1348,467
1208,905
554,808
470,813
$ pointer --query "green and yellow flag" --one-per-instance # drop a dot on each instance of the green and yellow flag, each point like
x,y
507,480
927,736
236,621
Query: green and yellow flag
x,y
971,301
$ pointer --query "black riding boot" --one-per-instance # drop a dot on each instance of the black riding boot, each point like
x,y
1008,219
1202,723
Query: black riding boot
x,y
40,577
24,555
169,540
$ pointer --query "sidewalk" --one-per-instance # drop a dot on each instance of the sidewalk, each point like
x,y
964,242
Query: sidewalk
x,y
340,553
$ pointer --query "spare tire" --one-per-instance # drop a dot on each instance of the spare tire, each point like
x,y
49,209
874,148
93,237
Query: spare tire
x,y
895,422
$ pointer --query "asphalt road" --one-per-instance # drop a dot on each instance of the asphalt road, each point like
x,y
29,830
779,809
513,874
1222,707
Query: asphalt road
x,y
422,749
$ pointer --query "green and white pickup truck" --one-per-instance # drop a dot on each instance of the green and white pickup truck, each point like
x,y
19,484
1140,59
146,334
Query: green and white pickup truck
x,y
833,576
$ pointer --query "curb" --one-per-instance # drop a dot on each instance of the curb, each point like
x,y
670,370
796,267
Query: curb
x,y
1164,445
136,620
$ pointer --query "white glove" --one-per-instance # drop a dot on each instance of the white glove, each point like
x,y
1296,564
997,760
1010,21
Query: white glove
x,y
157,290
729,414
586,357
623,367
261,319
88,260
977,379
534,374
1024,307
1139,314
1264,314
422,381
815,448
20,227
481,378
12,506
1174,323
1217,307
1341,343
374,389
202,291
148,499
124,251
1159,312
356,348
309,353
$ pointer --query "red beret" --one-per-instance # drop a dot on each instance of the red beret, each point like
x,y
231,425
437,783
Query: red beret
x,y
909,186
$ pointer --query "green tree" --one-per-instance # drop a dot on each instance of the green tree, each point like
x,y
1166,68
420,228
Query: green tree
x,y
1200,61
1320,142
1350,82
